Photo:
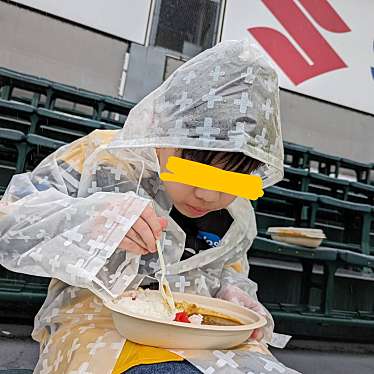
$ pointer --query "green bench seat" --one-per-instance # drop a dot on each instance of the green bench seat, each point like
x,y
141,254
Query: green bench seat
x,y
296,155
329,258
11,81
21,295
361,169
64,127
13,151
322,184
326,164
285,205
361,192
354,219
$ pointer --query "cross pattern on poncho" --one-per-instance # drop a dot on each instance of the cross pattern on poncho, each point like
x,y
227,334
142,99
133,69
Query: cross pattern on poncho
x,y
162,105
93,347
55,262
99,245
72,291
225,359
243,102
208,370
74,347
207,129
83,329
211,98
154,265
217,73
273,366
267,109
183,102
72,236
188,78
94,188
83,369
182,283
261,140
178,130
69,213
33,219
200,283
63,338
96,305
42,234
75,270
114,216
117,172
270,85
55,312
59,360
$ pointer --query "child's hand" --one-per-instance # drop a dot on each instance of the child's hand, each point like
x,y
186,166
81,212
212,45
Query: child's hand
x,y
238,296
141,238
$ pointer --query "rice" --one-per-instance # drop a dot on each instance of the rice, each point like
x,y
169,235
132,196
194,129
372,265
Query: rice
x,y
146,304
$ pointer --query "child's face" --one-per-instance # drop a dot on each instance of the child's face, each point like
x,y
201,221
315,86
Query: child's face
x,y
191,201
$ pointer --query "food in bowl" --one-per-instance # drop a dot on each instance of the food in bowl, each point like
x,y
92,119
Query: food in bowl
x,y
149,304
161,330
209,317
311,238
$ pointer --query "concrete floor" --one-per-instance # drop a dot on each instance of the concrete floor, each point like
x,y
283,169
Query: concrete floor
x,y
19,351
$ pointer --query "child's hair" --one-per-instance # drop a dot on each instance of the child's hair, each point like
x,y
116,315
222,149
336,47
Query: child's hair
x,y
231,161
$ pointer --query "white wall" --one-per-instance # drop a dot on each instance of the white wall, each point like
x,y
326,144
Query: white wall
x,y
40,45
327,127
127,19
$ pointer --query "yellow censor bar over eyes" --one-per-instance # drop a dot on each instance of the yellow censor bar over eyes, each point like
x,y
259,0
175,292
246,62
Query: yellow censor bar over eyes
x,y
211,178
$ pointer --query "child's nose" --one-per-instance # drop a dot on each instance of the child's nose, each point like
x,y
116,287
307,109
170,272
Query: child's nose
x,y
207,195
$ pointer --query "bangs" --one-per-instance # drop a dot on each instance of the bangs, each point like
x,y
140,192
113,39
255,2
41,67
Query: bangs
x,y
230,161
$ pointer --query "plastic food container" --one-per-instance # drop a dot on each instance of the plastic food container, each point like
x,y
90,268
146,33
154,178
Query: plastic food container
x,y
311,238
179,335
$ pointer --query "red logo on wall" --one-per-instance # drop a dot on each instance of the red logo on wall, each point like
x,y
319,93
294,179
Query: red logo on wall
x,y
309,39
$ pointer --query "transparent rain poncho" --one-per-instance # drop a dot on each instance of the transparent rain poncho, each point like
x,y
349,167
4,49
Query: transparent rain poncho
x,y
66,219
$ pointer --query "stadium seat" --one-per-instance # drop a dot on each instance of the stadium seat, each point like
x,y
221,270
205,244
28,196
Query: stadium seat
x,y
295,179
39,92
38,148
322,184
291,207
296,155
11,80
326,257
13,150
331,259
64,127
77,96
21,295
325,164
350,223
361,169
361,193
16,116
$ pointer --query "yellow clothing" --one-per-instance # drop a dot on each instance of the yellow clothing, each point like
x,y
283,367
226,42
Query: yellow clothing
x,y
135,354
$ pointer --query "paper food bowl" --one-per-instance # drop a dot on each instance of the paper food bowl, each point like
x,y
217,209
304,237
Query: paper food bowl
x,y
311,238
179,335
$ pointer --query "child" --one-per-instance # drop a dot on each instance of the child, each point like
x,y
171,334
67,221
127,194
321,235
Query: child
x,y
89,215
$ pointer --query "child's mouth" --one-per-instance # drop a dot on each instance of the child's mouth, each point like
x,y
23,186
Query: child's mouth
x,y
196,211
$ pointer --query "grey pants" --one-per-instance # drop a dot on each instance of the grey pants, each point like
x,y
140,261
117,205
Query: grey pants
x,y
178,367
